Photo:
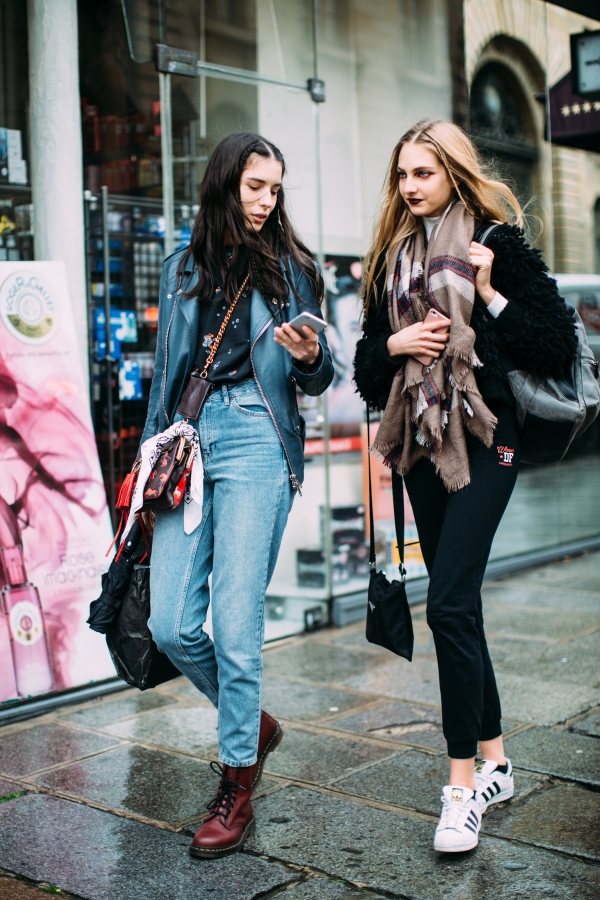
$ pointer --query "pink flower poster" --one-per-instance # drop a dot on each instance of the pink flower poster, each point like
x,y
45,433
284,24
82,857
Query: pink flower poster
x,y
54,522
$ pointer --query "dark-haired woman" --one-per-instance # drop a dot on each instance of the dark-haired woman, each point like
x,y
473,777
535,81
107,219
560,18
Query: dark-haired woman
x,y
449,425
251,438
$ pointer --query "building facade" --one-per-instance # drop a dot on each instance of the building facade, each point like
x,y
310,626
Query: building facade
x,y
513,48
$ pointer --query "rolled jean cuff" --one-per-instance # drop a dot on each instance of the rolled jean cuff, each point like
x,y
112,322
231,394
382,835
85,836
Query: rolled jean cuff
x,y
491,732
238,765
466,750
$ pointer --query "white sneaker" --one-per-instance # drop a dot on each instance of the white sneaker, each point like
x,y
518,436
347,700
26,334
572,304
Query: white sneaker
x,y
493,786
460,821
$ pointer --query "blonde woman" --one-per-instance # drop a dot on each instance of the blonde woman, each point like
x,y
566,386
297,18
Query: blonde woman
x,y
449,426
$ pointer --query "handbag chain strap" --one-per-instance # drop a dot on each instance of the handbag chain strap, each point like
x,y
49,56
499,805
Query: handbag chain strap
x,y
399,530
221,332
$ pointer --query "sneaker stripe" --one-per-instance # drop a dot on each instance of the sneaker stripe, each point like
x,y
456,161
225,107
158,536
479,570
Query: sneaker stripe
x,y
495,783
473,818
470,827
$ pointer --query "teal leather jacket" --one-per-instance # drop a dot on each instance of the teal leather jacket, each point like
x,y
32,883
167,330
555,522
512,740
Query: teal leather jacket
x,y
275,370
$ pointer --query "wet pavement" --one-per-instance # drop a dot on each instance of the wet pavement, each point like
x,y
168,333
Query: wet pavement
x,y
99,801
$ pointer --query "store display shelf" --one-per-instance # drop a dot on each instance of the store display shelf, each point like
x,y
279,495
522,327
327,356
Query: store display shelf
x,y
283,588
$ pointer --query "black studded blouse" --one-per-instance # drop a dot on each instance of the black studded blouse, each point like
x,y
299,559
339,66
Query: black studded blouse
x,y
232,361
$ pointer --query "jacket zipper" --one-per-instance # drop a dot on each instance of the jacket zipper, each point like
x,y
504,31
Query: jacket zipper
x,y
164,378
293,478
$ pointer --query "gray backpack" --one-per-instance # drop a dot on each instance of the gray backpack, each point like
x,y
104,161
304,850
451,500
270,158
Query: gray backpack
x,y
552,412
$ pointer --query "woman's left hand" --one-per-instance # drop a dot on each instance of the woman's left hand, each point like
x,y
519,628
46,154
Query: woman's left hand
x,y
481,259
304,348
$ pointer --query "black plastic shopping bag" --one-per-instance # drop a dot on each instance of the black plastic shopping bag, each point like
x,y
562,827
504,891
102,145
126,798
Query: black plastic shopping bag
x,y
136,657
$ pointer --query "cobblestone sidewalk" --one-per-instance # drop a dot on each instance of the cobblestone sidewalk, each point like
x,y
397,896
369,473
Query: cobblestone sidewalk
x,y
99,801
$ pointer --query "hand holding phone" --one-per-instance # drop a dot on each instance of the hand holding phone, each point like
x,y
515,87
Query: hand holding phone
x,y
425,340
303,345
306,318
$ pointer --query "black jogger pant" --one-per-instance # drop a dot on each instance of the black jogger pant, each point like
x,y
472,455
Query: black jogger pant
x,y
456,531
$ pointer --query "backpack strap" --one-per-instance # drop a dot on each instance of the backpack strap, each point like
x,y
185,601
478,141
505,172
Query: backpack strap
x,y
483,232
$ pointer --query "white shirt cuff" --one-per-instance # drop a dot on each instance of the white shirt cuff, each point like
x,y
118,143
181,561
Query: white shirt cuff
x,y
497,305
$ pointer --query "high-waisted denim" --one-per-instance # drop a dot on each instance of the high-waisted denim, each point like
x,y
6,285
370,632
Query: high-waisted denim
x,y
247,498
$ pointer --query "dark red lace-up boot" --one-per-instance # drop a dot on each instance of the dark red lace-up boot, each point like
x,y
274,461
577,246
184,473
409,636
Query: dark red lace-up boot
x,y
270,737
231,818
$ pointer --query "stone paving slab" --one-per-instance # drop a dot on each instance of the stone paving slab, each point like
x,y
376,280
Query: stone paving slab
x,y
324,662
183,689
413,779
291,700
558,625
29,749
406,722
532,700
560,753
586,646
590,725
317,758
103,711
581,573
9,787
561,662
542,596
416,681
193,729
561,817
570,668
150,783
326,889
354,636
392,852
104,857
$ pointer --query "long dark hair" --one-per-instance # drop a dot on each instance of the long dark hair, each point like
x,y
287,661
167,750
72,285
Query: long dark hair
x,y
221,210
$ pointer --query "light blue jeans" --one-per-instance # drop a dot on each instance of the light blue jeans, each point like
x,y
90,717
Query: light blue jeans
x,y
247,499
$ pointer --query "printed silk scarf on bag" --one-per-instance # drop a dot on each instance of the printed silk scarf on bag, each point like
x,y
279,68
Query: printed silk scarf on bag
x,y
428,407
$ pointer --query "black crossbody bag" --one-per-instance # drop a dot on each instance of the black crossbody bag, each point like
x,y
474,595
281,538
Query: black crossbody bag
x,y
389,622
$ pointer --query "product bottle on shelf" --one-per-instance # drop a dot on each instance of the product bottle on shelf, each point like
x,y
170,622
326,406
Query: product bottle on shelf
x,y
28,639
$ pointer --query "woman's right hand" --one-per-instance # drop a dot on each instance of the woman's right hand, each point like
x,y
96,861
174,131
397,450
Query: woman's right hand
x,y
419,339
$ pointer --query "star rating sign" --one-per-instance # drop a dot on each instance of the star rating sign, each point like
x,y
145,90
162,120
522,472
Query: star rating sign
x,y
578,108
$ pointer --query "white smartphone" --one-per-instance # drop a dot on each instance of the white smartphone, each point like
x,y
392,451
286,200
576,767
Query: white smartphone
x,y
307,318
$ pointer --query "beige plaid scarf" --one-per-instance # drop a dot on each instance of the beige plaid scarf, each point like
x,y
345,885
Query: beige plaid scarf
x,y
428,408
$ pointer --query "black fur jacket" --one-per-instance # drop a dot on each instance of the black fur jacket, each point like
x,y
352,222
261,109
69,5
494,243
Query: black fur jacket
x,y
535,331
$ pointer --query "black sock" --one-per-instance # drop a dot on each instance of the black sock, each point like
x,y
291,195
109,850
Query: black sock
x,y
503,769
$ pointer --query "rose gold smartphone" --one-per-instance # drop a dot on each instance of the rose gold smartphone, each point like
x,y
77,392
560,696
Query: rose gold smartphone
x,y
435,318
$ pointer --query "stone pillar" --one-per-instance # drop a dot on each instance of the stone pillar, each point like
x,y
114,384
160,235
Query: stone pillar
x,y
56,150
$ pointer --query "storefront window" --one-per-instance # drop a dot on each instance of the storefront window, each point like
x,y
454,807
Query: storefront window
x,y
121,116
16,214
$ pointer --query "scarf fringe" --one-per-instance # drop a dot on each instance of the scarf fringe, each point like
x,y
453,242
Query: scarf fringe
x,y
429,411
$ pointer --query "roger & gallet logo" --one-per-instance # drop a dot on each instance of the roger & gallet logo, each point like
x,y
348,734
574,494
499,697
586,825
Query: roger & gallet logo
x,y
29,307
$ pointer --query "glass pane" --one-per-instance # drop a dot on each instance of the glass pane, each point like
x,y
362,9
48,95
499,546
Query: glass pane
x,y
16,211
141,18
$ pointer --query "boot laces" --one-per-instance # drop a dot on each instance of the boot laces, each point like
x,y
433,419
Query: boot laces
x,y
226,795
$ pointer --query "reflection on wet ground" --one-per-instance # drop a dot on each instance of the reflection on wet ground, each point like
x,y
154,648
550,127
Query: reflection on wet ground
x,y
101,799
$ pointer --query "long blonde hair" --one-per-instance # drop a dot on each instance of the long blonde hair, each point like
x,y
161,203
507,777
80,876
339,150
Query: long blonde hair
x,y
483,197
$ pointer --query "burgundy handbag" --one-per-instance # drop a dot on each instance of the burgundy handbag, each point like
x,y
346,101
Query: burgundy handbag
x,y
168,480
